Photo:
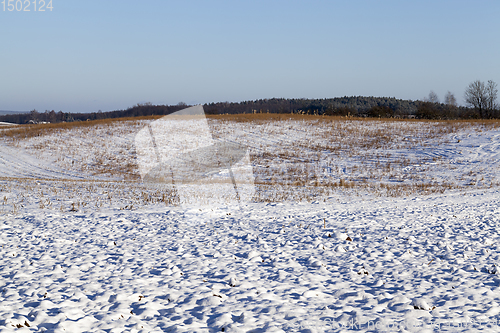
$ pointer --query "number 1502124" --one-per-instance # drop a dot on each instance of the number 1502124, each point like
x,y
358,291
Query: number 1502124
x,y
27,5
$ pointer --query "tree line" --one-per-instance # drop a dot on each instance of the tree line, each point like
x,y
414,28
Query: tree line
x,y
340,106
480,98
139,110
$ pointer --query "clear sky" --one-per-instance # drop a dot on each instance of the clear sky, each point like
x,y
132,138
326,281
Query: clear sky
x,y
91,55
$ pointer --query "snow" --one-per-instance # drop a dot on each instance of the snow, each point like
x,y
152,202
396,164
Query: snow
x,y
83,252
6,124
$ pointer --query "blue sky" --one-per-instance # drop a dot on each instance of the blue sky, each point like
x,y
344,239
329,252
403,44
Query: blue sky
x,y
91,55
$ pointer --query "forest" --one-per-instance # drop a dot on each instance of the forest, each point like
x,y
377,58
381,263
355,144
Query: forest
x,y
479,96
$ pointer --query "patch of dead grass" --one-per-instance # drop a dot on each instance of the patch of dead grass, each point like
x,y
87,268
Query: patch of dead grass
x,y
292,152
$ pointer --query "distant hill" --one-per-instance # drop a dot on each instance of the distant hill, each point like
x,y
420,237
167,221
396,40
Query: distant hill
x,y
353,105
357,106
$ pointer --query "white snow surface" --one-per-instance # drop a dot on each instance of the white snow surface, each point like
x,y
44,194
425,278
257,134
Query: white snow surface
x,y
264,267
118,261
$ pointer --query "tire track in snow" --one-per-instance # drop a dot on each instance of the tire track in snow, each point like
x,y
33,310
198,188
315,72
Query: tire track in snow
x,y
15,162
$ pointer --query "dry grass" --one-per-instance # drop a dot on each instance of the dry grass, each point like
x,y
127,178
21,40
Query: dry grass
x,y
98,148
267,117
33,130
295,157
306,157
74,196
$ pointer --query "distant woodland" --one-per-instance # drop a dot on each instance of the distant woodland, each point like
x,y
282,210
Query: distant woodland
x,y
356,106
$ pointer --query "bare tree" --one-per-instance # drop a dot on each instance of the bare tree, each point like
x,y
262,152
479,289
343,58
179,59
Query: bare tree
x,y
450,99
34,115
475,96
482,97
433,97
491,97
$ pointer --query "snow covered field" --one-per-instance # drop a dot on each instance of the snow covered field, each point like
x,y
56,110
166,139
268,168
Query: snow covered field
x,y
6,124
355,226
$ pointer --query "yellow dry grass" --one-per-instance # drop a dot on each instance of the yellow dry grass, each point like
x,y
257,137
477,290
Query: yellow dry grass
x,y
31,130
289,170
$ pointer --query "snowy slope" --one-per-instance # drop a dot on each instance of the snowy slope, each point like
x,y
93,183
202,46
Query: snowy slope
x,y
83,252
399,155
266,267
17,162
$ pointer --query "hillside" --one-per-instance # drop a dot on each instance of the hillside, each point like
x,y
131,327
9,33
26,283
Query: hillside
x,y
372,223
355,106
